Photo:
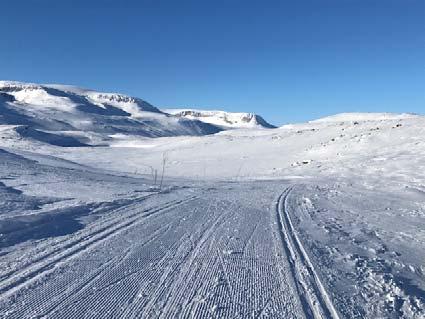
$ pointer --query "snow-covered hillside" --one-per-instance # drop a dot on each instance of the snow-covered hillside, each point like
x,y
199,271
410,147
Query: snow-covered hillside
x,y
222,118
67,108
358,117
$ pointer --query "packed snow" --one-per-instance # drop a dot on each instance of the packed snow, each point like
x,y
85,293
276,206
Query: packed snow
x,y
112,208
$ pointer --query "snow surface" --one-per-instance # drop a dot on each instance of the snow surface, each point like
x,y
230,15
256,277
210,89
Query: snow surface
x,y
353,117
222,118
324,219
68,108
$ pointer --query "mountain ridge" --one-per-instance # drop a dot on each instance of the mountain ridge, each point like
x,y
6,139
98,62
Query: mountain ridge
x,y
54,107
223,118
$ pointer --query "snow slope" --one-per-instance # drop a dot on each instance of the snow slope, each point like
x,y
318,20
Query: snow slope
x,y
377,149
357,117
222,118
68,108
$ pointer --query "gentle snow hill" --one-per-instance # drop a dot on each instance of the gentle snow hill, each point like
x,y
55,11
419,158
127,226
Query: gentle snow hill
x,y
222,119
353,117
70,109
370,148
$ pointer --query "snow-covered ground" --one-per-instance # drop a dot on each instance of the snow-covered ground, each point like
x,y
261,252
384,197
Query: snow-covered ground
x,y
324,219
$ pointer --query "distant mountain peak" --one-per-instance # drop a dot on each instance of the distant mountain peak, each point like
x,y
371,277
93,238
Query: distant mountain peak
x,y
222,118
54,95
11,86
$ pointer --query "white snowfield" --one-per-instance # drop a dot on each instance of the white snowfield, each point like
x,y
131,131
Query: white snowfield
x,y
356,117
222,118
324,219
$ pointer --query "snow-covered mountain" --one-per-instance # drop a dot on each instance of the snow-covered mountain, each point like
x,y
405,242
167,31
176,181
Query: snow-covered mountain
x,y
68,108
222,119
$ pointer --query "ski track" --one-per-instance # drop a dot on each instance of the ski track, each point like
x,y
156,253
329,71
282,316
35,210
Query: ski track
x,y
221,253
14,281
45,250
316,301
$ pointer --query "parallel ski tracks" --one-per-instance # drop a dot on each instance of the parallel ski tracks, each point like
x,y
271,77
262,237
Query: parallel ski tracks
x,y
314,298
12,282
194,256
186,254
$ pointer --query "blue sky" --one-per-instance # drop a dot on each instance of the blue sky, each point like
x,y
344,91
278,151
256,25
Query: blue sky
x,y
286,60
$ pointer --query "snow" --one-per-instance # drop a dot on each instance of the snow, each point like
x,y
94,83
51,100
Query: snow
x,y
352,117
323,219
68,108
222,118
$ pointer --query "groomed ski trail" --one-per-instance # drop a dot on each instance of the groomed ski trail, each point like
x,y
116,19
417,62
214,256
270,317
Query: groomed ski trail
x,y
316,301
228,251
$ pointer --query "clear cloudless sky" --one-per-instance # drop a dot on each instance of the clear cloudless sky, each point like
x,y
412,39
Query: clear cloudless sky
x,y
289,60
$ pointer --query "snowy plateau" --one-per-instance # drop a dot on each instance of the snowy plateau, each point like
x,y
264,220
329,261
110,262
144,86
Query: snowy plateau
x,y
113,208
